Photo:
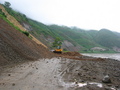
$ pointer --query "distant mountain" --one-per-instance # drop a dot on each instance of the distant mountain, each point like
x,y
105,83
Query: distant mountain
x,y
74,39
107,38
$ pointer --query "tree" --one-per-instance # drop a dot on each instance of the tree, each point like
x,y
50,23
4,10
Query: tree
x,y
7,4
57,42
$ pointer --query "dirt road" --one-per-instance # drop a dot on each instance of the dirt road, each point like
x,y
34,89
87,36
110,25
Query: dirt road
x,y
61,74
38,75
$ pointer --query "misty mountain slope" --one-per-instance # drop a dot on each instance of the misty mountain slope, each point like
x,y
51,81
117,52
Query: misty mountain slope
x,y
89,39
92,33
118,34
76,37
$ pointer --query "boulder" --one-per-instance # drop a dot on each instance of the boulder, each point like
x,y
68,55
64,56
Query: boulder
x,y
106,79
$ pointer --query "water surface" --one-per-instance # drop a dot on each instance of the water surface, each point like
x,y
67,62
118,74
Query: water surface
x,y
105,55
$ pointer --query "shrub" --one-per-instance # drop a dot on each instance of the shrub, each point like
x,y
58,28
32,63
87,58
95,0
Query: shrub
x,y
2,13
26,33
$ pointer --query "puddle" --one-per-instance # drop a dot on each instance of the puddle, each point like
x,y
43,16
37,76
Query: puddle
x,y
113,88
68,84
73,84
81,84
98,84
90,83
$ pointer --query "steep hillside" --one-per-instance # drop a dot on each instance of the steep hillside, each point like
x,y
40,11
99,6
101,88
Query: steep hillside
x,y
15,21
74,39
16,47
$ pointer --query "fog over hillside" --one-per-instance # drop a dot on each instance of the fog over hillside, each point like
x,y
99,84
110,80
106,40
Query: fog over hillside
x,y
86,14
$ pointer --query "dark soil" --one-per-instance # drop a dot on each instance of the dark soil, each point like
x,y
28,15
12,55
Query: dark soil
x,y
77,56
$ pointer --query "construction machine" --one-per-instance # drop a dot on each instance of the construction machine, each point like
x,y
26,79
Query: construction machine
x,y
58,49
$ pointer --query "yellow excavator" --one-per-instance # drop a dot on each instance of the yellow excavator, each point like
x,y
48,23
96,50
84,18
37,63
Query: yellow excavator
x,y
58,49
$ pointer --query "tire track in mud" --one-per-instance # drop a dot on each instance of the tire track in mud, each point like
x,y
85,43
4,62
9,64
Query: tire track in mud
x,y
66,69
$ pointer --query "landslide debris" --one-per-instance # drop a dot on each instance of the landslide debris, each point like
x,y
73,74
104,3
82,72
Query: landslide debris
x,y
71,54
78,56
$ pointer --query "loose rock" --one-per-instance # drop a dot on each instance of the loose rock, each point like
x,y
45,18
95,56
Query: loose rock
x,y
106,79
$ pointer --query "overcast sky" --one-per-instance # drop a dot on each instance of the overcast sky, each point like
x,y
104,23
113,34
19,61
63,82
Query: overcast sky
x,y
86,14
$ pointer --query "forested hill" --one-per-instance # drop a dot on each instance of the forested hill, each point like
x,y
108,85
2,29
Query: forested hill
x,y
73,38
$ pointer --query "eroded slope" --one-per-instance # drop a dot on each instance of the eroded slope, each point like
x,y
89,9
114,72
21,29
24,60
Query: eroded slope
x,y
16,47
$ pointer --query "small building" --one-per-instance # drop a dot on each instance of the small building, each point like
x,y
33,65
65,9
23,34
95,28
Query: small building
x,y
98,49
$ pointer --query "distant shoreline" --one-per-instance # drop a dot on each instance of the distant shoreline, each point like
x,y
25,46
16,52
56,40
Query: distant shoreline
x,y
114,56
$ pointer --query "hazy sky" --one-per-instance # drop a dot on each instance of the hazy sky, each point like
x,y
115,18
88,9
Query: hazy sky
x,y
86,14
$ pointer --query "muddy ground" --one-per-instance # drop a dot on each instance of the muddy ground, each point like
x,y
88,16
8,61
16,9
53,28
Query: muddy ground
x,y
61,73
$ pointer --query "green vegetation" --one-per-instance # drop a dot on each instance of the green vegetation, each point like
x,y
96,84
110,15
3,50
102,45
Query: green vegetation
x,y
57,42
7,4
107,38
91,51
74,35
26,33
2,13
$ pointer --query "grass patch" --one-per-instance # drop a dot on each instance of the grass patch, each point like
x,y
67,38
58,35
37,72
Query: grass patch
x,y
11,24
